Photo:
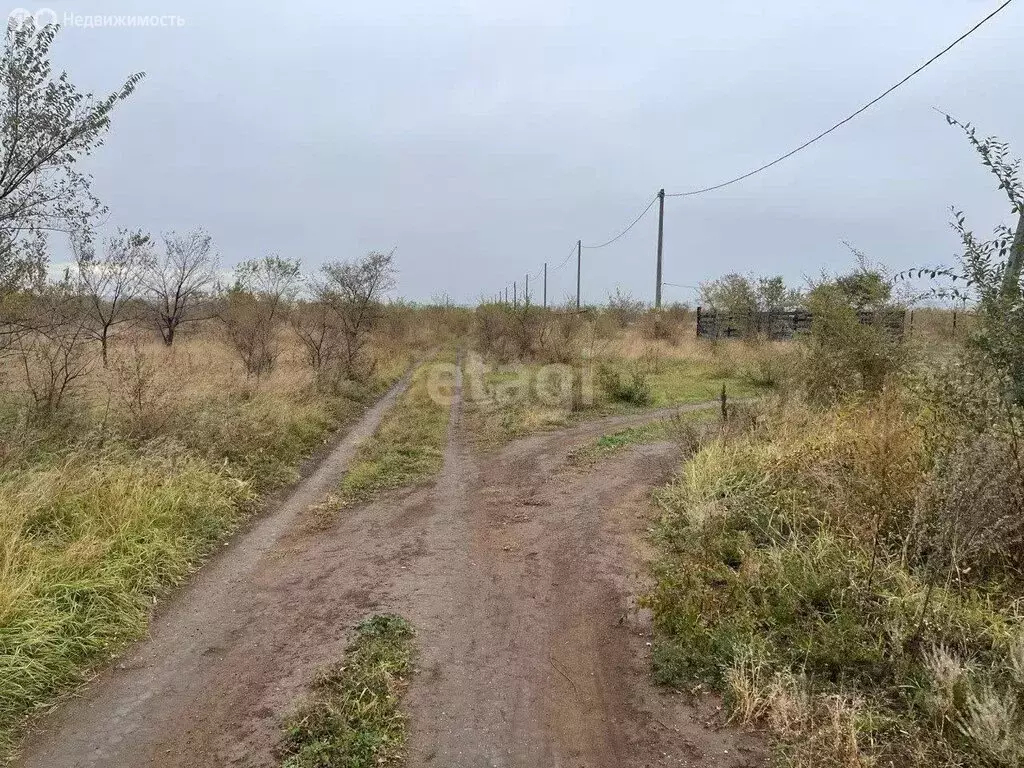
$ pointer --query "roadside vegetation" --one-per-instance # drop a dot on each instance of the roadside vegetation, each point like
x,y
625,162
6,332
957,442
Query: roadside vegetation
x,y
353,718
148,400
685,429
847,567
408,447
540,368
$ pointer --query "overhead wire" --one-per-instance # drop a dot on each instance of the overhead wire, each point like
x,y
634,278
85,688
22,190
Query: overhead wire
x,y
566,259
623,232
792,152
847,119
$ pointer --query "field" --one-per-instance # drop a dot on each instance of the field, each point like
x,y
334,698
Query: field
x,y
260,510
800,560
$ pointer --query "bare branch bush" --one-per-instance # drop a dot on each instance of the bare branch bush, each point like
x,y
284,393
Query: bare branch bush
x,y
111,282
140,392
54,355
354,290
254,307
179,283
317,329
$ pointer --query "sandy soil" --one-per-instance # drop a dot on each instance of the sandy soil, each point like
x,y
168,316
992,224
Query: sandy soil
x,y
517,571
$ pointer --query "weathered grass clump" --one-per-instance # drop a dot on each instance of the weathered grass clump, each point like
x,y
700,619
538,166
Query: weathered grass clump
x,y
86,547
801,577
112,500
353,719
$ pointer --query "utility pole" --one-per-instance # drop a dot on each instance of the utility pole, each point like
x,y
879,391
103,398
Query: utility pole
x,y
661,237
526,292
545,285
579,263
515,294
506,294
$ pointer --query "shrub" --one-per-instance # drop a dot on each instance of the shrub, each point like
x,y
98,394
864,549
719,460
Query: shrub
x,y
786,583
843,356
632,386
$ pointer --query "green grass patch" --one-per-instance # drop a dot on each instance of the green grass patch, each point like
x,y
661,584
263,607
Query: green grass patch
x,y
353,718
508,406
681,382
96,527
408,447
678,428
86,547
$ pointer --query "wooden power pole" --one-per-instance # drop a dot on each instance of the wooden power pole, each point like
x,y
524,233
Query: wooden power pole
x,y
661,238
545,285
579,263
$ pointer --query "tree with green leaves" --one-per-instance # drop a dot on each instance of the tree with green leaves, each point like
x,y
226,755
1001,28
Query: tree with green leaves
x,y
47,125
989,273
741,295
254,307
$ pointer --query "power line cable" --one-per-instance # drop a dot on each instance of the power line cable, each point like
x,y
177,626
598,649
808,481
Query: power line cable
x,y
623,232
566,259
844,121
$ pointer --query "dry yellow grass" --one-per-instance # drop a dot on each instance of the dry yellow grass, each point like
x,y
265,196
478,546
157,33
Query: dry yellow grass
x,y
109,502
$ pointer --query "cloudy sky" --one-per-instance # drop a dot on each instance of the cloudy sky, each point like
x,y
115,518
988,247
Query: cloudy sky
x,y
483,137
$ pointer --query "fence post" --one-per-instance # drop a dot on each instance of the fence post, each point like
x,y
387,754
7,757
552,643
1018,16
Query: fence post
x,y
698,322
725,406
954,323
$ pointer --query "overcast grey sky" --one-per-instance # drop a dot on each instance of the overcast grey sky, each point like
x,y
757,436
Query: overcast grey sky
x,y
483,137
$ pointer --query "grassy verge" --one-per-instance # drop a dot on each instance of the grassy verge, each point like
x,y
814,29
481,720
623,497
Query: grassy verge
x,y
353,718
794,578
408,447
678,428
509,406
97,525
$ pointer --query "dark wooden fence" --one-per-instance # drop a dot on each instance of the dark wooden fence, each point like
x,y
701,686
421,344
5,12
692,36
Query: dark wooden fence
x,y
780,325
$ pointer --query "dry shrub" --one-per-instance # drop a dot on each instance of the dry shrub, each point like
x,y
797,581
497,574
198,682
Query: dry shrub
x,y
843,357
968,522
141,392
661,326
623,309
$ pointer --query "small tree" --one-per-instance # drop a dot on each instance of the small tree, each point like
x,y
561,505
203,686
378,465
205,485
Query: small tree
x,y
255,305
46,126
53,354
740,295
354,290
180,281
317,328
111,282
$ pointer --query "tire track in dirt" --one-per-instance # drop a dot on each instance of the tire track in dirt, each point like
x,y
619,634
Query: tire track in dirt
x,y
515,569
230,647
533,654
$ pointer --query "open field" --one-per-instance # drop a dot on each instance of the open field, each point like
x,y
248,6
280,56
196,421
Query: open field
x,y
791,564
262,505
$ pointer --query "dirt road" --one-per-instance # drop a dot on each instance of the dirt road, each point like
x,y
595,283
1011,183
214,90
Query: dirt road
x,y
516,570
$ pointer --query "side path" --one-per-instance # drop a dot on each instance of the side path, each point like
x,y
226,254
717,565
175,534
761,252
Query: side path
x,y
220,635
533,654
517,573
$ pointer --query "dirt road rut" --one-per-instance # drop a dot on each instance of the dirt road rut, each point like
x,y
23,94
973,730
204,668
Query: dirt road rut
x,y
517,572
